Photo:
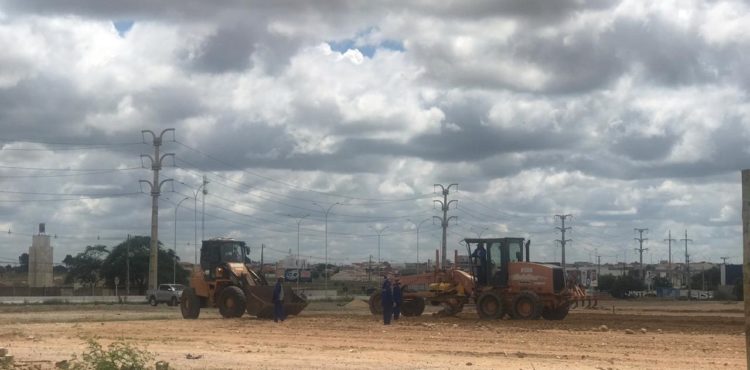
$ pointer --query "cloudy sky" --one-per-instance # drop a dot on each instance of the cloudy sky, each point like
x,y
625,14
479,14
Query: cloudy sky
x,y
625,114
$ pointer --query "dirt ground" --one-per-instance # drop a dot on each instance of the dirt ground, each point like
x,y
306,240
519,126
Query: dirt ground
x,y
666,335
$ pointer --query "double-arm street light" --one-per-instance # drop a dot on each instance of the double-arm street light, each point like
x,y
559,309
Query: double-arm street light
x,y
174,259
379,232
479,234
299,221
195,214
418,225
325,269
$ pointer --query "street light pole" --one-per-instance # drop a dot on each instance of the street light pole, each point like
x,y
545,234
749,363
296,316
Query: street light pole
x,y
379,232
174,260
418,226
195,218
299,222
325,267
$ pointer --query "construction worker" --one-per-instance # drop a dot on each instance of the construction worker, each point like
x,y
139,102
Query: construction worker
x,y
278,301
480,260
396,299
386,299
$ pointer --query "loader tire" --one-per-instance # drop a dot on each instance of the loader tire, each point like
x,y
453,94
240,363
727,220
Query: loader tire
x,y
558,313
526,306
413,307
232,302
490,306
376,304
190,304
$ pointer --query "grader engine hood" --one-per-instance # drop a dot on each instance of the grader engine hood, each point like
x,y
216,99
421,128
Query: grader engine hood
x,y
532,276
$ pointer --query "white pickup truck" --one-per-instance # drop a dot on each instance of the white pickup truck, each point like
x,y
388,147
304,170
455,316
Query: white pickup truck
x,y
166,293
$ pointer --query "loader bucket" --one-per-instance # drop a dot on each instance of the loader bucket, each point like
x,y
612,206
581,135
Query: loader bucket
x,y
260,301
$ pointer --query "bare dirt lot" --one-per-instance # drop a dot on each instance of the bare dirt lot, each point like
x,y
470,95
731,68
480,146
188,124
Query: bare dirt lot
x,y
675,335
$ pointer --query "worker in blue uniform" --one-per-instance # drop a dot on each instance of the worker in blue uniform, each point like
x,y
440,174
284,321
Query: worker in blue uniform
x,y
278,301
386,298
480,260
396,299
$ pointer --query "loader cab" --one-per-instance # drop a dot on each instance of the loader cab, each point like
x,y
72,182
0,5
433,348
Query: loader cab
x,y
493,270
216,252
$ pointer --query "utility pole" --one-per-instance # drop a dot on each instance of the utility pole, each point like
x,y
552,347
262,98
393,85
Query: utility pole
x,y
669,241
562,240
156,163
127,269
262,247
687,264
746,257
724,259
369,270
640,249
174,262
203,209
444,205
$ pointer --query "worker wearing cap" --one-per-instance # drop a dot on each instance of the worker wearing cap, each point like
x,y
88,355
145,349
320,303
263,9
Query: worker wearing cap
x,y
386,298
278,301
396,299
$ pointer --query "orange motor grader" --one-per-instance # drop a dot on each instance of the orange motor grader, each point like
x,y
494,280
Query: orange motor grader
x,y
503,283
225,280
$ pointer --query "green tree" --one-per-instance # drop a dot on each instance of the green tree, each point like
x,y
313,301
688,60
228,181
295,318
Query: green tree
x,y
23,263
623,284
115,265
711,278
606,282
662,282
85,267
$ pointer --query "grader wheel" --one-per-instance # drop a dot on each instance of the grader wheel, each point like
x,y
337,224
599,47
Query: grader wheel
x,y
527,306
490,306
413,307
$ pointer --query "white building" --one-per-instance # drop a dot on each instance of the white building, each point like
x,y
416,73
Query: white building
x,y
40,260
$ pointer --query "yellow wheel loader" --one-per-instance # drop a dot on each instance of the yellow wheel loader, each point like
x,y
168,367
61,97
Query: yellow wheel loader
x,y
225,280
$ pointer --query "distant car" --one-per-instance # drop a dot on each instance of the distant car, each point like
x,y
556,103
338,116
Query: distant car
x,y
166,293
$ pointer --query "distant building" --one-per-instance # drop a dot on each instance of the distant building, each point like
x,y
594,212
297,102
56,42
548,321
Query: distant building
x,y
40,260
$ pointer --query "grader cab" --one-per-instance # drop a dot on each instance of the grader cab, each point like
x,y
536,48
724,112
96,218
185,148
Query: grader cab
x,y
225,280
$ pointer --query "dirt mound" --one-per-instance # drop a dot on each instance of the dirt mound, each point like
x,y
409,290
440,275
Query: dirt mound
x,y
357,304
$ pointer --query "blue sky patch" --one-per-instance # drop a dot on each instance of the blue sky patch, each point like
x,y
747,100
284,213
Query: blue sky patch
x,y
123,26
367,50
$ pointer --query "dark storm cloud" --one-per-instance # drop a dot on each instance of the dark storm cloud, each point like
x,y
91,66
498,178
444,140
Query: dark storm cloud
x,y
43,105
644,148
169,104
532,10
669,56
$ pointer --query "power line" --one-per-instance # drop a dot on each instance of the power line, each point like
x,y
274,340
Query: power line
x,y
20,140
288,184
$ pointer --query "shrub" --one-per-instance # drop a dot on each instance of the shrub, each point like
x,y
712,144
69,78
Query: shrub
x,y
118,356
